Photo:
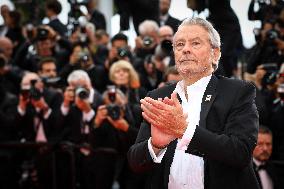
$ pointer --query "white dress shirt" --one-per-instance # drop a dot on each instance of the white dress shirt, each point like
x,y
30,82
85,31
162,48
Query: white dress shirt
x,y
187,170
40,135
266,181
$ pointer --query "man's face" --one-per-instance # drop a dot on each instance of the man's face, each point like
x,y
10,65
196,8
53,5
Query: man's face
x,y
193,52
44,47
164,6
7,47
116,45
48,70
263,150
166,33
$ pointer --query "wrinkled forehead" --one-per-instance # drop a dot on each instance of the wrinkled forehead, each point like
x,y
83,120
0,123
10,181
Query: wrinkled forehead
x,y
189,32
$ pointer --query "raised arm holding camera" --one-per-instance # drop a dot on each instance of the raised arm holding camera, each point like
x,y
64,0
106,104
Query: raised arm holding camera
x,y
36,110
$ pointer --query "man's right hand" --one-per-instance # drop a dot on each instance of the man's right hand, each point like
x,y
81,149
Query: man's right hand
x,y
69,96
23,102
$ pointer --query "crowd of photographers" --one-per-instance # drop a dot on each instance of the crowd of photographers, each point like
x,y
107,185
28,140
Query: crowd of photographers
x,y
69,106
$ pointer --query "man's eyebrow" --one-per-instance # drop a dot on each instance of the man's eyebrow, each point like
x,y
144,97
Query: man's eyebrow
x,y
195,38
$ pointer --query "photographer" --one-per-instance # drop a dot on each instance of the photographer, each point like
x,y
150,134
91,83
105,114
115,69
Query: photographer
x,y
37,108
119,50
115,129
47,71
264,79
81,58
269,47
35,122
150,76
77,113
10,75
164,51
148,38
41,42
267,9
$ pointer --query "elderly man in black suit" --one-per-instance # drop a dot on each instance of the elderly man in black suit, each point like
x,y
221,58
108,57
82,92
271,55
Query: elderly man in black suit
x,y
200,132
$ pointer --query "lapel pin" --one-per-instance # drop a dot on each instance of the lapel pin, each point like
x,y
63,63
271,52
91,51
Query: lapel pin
x,y
208,98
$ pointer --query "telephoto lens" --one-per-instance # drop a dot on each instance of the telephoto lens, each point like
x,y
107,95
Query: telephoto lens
x,y
82,92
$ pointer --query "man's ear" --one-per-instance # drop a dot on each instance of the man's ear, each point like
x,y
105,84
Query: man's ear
x,y
216,54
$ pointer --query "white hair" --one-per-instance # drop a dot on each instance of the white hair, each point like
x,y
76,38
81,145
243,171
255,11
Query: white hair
x,y
148,26
78,75
214,36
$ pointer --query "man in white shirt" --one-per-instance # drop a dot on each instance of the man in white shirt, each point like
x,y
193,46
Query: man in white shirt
x,y
200,132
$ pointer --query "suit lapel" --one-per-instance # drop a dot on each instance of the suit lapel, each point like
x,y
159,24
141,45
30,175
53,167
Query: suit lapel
x,y
207,100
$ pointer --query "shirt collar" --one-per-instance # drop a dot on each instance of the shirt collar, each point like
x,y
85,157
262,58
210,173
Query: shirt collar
x,y
91,96
164,17
199,86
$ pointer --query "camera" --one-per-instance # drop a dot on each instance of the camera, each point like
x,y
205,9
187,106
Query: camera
x,y
82,92
31,91
271,74
42,34
147,41
113,111
83,57
164,49
271,35
123,52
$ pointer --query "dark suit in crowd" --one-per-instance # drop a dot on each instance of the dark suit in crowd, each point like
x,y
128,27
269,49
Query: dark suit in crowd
x,y
271,170
58,26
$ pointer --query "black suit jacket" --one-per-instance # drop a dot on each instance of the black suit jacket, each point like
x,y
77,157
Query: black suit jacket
x,y
58,27
225,138
173,23
271,171
25,124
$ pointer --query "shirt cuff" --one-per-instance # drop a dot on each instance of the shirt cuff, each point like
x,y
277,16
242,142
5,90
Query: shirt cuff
x,y
88,116
64,110
186,138
159,157
21,111
47,114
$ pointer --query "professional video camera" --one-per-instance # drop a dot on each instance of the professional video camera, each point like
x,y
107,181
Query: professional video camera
x,y
31,91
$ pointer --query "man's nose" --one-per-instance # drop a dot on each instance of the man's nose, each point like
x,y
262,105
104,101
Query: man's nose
x,y
187,48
